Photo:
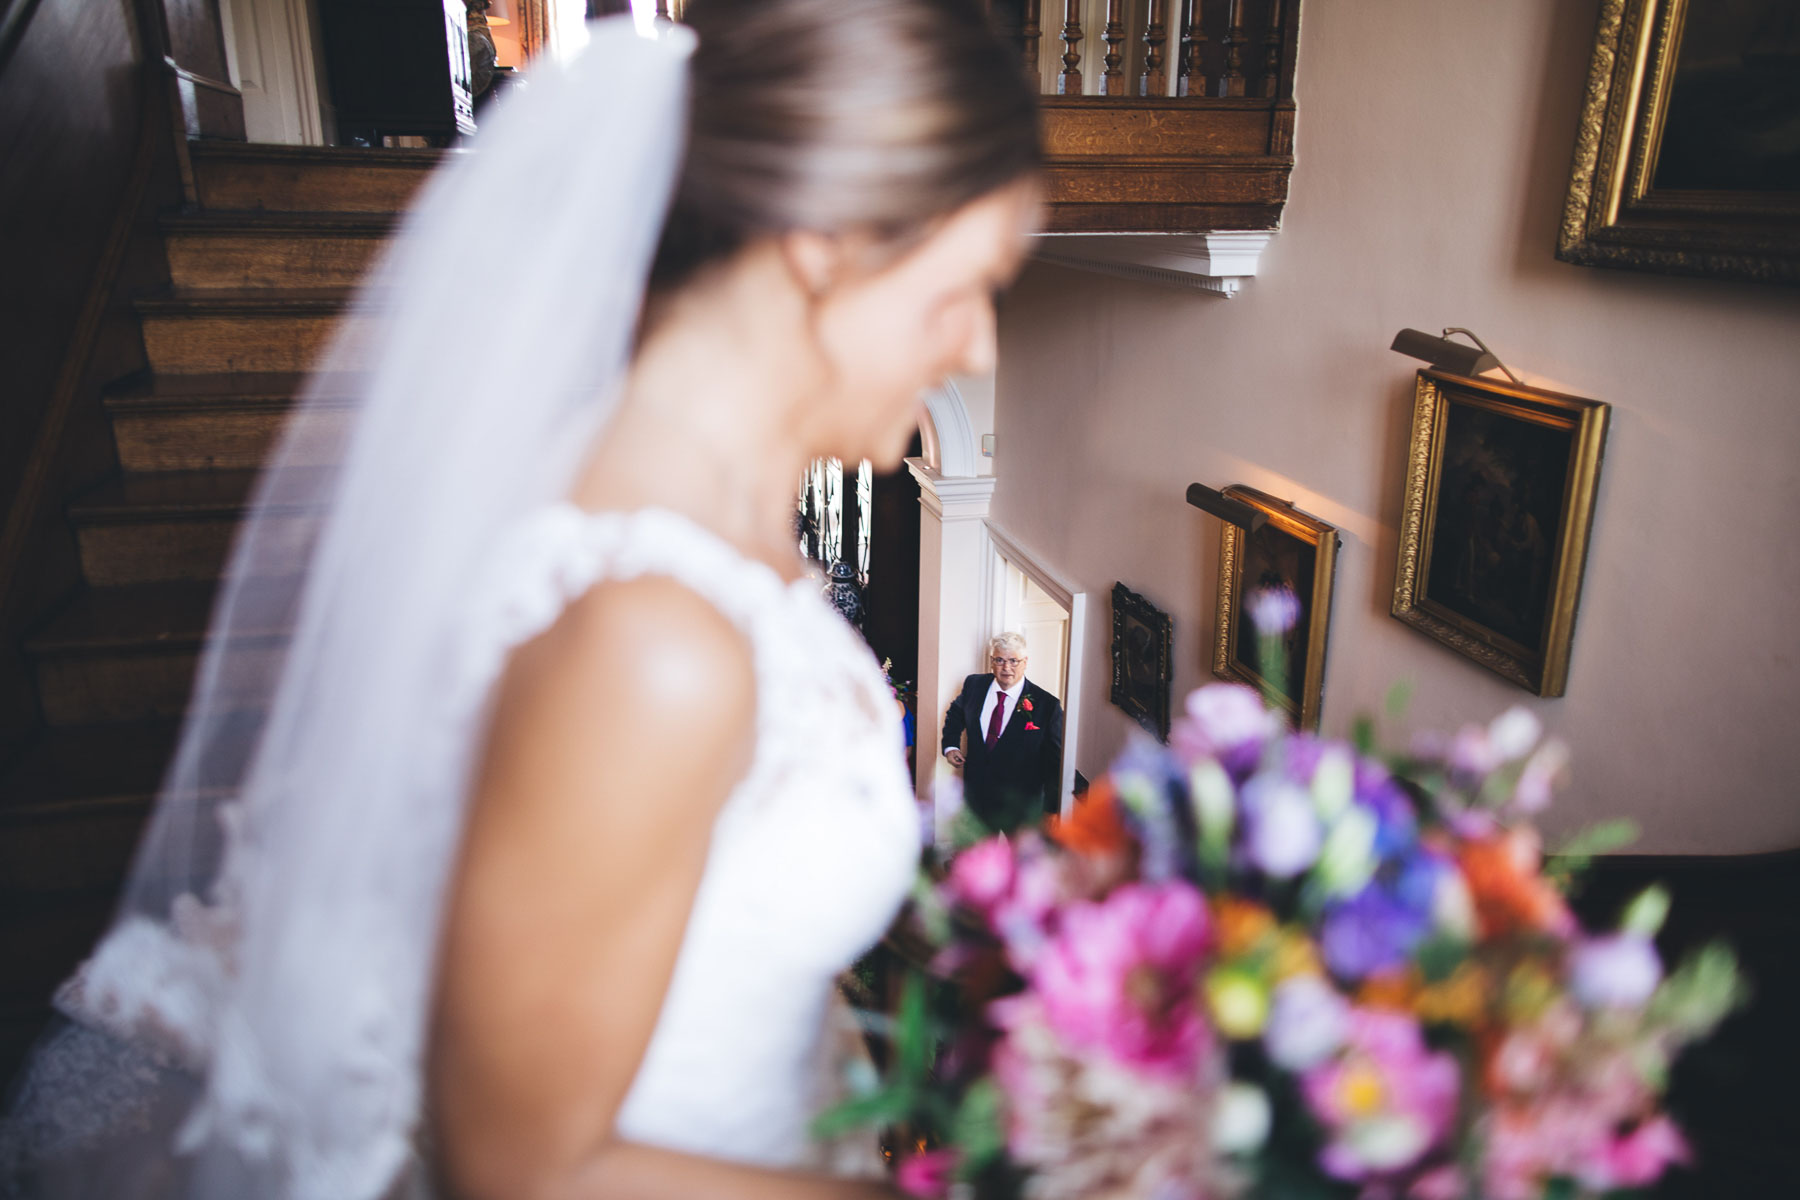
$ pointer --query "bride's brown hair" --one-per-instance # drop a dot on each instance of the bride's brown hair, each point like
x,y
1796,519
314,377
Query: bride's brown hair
x,y
875,116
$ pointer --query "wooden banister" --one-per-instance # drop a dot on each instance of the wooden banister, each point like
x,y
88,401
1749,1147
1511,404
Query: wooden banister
x,y
1154,79
1112,78
1191,79
1069,83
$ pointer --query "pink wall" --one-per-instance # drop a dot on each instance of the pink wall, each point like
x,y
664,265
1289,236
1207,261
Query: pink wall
x,y
1433,151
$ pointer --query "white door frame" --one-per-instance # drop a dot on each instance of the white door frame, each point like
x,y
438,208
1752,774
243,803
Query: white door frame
x,y
1004,551
269,49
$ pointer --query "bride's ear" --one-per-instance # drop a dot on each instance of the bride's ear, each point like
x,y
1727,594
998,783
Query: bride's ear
x,y
815,260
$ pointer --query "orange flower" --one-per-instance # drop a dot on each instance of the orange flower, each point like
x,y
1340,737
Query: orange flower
x,y
1392,990
1458,1000
1242,925
1509,891
1094,827
1295,954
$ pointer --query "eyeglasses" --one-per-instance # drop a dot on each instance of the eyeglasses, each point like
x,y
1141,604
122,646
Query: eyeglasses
x,y
1008,662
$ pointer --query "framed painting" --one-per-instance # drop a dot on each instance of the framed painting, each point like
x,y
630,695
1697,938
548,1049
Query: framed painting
x,y
1495,520
1687,158
1143,662
1288,564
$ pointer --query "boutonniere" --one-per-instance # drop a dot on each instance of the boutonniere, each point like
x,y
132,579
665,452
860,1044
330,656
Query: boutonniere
x,y
1029,727
1025,705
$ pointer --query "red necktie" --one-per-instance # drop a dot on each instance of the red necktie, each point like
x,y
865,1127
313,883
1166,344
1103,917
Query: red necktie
x,y
998,721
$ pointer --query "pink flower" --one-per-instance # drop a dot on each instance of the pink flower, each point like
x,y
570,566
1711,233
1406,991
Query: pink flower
x,y
927,1172
982,875
1120,975
1638,1158
1089,1125
1386,1101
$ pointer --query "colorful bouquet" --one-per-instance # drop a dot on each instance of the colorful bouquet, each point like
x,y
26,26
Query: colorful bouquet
x,y
1259,962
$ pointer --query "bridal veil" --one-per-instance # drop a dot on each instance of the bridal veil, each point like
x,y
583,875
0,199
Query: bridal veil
x,y
253,1022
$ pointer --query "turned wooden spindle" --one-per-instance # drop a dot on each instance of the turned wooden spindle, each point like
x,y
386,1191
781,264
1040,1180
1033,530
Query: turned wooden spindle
x,y
1155,78
1271,74
1112,79
1232,83
1069,82
662,11
1031,32
1190,78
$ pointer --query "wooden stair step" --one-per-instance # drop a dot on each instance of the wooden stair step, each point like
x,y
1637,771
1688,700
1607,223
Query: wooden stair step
x,y
273,250
177,525
256,177
253,330
129,654
75,805
226,422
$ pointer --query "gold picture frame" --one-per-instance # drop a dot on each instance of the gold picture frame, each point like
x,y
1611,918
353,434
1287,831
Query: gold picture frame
x,y
1494,527
1670,173
1294,550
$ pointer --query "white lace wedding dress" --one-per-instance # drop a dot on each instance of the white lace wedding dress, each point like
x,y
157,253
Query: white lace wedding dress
x,y
810,857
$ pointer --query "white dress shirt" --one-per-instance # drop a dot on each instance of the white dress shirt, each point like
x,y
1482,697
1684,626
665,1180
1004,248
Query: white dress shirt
x,y
993,697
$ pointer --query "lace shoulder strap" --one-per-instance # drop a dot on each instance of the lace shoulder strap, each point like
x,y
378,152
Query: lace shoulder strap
x,y
557,554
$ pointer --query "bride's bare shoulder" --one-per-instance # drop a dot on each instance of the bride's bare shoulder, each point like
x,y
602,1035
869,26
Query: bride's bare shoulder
x,y
639,684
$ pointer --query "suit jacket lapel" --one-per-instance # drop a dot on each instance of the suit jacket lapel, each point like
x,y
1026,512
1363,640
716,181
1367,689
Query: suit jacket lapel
x,y
1013,722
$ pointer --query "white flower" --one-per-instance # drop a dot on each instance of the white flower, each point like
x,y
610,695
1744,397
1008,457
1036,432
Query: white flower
x,y
1308,1021
1620,971
1513,733
1452,907
1334,782
1284,833
1241,1121
1347,862
1227,715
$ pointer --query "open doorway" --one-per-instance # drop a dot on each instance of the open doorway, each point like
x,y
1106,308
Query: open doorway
x,y
1026,597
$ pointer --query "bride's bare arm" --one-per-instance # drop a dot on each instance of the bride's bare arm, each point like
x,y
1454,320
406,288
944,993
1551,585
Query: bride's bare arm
x,y
616,737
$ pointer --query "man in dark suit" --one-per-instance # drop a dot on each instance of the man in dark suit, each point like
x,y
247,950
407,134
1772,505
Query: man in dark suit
x,y
1012,770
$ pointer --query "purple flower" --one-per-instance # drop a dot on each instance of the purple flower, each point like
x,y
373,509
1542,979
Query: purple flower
x,y
1224,721
1273,610
1619,971
1372,931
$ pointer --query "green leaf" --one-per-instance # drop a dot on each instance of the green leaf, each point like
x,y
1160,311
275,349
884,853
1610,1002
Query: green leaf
x,y
977,1129
915,1046
1439,956
1561,1188
1701,992
1362,735
1399,699
1645,915
1603,837
889,1106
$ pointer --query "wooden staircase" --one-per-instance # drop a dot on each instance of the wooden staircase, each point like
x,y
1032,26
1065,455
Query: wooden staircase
x,y
260,270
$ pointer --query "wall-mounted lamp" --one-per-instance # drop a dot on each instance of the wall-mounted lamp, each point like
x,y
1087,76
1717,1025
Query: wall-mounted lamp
x,y
1447,355
1211,500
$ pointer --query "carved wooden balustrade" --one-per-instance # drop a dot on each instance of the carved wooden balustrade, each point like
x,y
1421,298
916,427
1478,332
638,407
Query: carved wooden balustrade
x,y
1162,116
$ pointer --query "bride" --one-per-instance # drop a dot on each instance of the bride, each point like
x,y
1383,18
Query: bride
x,y
570,796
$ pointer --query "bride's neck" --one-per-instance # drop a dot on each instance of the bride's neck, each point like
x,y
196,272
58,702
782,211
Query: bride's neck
x,y
713,418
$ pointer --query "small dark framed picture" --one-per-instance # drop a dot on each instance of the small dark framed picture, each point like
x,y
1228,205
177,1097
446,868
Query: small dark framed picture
x,y
1495,521
1283,572
1143,665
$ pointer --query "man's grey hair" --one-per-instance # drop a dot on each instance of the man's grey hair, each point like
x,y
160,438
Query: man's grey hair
x,y
1003,642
